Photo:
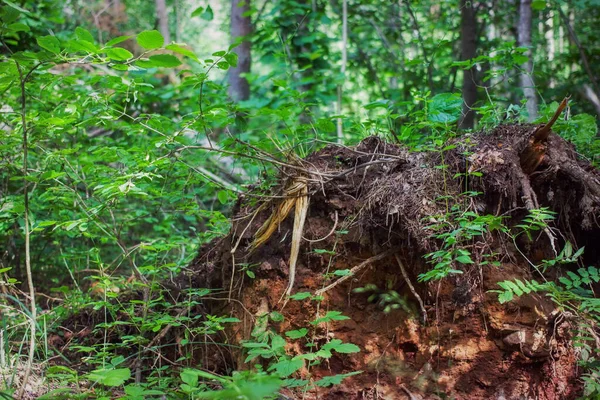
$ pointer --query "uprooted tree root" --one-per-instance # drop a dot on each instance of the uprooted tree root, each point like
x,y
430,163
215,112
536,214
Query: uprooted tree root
x,y
375,210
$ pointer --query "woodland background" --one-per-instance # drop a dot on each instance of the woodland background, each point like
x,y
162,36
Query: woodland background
x,y
129,128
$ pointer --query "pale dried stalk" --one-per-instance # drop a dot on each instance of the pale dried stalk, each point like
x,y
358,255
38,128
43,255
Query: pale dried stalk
x,y
299,219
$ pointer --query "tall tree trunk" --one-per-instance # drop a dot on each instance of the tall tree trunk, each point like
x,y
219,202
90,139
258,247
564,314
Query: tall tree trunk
x,y
524,40
468,43
340,88
163,20
241,28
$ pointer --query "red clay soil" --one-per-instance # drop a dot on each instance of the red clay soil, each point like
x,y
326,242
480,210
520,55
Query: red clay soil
x,y
385,198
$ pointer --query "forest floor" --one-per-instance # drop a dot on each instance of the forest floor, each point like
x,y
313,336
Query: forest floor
x,y
366,232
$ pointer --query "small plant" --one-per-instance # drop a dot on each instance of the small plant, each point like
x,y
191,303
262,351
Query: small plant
x,y
271,347
536,220
518,288
456,230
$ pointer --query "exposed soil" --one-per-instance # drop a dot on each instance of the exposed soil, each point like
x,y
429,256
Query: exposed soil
x,y
465,345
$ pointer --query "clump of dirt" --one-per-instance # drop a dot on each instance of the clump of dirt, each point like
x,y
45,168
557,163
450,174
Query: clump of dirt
x,y
380,203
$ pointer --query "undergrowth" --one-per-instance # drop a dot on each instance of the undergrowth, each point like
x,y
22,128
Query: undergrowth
x,y
111,218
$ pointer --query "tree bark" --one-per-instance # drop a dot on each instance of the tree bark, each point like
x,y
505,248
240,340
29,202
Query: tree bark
x,y
468,43
241,28
162,18
524,40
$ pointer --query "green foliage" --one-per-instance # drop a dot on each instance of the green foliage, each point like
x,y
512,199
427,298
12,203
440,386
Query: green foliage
x,y
517,288
133,164
536,220
455,230
582,277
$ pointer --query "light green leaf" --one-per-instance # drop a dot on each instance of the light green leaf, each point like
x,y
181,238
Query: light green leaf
x,y
49,43
208,14
81,45
338,346
19,27
297,334
183,51
198,11
190,377
520,58
83,34
300,296
164,60
223,196
445,108
286,368
464,259
538,5
16,7
117,40
119,54
335,379
150,40
110,377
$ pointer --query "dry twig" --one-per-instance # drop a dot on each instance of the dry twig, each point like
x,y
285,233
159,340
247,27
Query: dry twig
x,y
411,287
355,270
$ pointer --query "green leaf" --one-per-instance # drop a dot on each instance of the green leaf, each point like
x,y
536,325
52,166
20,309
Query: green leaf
x,y
538,5
340,347
18,27
505,297
183,51
301,296
16,7
150,40
189,377
117,40
119,54
464,259
49,43
342,272
297,334
377,104
520,58
83,34
164,60
110,377
335,379
197,12
286,368
208,14
223,196
276,316
81,45
231,58
330,316
119,67
224,65
445,108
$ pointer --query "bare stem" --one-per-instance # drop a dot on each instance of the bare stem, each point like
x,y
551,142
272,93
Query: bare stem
x,y
23,80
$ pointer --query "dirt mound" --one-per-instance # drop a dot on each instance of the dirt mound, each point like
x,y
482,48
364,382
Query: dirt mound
x,y
354,224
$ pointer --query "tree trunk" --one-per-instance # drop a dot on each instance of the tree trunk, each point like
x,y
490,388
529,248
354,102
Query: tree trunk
x,y
524,40
468,43
241,28
163,20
